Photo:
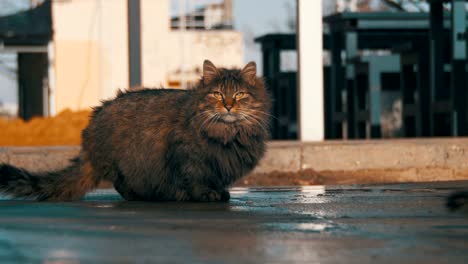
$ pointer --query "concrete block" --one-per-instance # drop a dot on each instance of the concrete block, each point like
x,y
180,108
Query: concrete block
x,y
42,158
386,154
4,158
281,156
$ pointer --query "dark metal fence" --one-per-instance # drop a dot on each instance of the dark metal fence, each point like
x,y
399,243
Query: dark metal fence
x,y
420,57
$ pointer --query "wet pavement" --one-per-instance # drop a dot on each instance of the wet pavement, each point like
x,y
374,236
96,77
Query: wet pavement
x,y
341,224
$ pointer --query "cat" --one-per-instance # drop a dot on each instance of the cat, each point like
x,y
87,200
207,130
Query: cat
x,y
164,144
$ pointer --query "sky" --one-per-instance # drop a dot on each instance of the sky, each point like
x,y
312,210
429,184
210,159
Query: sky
x,y
260,17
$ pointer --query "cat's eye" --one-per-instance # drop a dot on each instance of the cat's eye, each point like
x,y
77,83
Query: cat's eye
x,y
240,95
217,95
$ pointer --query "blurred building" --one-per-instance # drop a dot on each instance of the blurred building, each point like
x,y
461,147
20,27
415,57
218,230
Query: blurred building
x,y
211,16
91,48
332,6
87,57
8,64
26,35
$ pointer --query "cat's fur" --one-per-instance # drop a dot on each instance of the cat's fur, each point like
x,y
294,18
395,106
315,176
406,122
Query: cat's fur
x,y
162,145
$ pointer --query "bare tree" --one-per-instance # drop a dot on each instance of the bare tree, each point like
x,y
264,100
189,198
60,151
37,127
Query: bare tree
x,y
291,23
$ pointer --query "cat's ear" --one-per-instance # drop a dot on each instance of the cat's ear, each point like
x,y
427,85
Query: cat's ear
x,y
209,71
250,72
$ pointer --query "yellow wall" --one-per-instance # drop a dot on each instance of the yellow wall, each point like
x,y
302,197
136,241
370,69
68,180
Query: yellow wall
x,y
77,74
91,57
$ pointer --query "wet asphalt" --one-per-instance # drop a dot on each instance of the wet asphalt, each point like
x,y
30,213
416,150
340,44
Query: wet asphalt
x,y
406,223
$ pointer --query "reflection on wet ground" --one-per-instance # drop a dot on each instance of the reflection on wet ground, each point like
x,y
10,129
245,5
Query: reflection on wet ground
x,y
341,224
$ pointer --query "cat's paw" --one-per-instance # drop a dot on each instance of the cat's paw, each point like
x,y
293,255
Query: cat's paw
x,y
203,194
182,195
213,196
210,196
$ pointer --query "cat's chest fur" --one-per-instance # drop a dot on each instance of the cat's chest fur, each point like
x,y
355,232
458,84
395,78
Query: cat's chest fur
x,y
232,160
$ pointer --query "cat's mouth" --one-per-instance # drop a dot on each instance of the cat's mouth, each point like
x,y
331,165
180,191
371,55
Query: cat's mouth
x,y
229,118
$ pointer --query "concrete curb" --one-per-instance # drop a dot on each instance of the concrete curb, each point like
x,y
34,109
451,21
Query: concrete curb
x,y
407,157
38,158
365,155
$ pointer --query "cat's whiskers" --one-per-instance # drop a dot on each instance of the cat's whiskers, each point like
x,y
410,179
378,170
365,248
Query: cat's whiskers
x,y
251,119
201,114
249,114
247,120
208,120
206,115
215,119
264,124
260,111
252,122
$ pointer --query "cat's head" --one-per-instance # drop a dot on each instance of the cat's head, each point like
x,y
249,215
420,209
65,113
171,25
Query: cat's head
x,y
232,97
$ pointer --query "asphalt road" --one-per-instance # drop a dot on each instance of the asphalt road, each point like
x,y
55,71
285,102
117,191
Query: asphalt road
x,y
340,224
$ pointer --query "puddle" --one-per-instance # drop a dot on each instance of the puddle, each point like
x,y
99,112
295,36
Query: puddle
x,y
450,227
301,227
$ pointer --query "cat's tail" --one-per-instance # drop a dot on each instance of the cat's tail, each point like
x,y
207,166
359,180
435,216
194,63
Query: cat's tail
x,y
70,183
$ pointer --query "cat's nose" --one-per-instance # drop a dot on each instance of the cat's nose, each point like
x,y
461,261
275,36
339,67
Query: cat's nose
x,y
228,107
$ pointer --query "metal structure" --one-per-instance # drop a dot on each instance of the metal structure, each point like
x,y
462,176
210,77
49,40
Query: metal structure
x,y
350,33
283,85
134,42
433,105
413,33
456,104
